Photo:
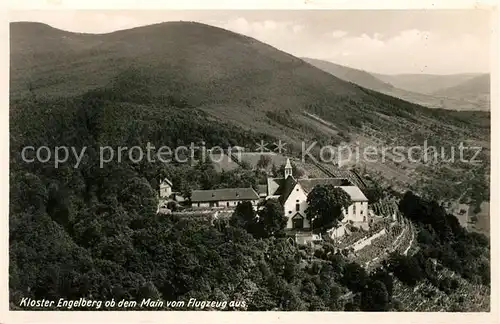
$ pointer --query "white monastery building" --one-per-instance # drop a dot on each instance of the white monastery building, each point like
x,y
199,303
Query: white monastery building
x,y
292,194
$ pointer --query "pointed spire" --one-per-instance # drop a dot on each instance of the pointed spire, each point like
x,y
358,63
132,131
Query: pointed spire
x,y
288,168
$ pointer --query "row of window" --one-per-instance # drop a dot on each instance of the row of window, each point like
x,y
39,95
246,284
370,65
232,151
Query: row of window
x,y
297,208
227,204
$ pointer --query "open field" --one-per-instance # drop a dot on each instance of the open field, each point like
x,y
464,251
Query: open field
x,y
223,162
483,220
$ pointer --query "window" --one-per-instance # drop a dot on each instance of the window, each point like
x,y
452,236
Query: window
x,y
289,211
297,207
227,204
354,209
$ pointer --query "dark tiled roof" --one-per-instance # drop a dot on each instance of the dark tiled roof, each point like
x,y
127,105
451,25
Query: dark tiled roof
x,y
262,189
273,185
224,194
309,184
285,188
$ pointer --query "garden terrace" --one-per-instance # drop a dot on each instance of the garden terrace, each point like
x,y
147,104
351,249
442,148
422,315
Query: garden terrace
x,y
373,254
357,234
347,240
385,207
407,242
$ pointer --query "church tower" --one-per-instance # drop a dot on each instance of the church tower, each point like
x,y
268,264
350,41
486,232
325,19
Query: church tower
x,y
288,169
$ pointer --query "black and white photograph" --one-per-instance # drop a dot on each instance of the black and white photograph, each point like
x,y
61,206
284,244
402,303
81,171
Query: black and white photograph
x,y
250,160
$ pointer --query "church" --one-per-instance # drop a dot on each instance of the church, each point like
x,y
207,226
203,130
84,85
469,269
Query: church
x,y
292,194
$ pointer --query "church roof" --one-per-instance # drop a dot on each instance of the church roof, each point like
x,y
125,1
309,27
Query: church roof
x,y
355,193
309,184
288,165
272,185
285,188
166,182
224,195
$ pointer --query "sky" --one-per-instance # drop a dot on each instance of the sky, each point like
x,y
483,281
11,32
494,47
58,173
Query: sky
x,y
380,41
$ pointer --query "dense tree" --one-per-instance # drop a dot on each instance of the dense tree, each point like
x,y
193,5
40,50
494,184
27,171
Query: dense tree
x,y
326,204
375,297
374,193
386,278
441,237
264,161
406,269
274,170
271,218
355,277
244,216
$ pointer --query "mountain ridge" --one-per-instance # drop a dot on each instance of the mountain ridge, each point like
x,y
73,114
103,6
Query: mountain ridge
x,y
477,85
412,90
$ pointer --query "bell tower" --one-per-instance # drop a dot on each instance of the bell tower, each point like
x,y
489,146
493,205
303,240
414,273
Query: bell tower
x,y
288,169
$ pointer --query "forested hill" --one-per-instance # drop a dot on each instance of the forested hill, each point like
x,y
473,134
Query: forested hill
x,y
232,77
92,231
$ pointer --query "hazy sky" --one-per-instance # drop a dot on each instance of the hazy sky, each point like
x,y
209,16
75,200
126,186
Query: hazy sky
x,y
383,41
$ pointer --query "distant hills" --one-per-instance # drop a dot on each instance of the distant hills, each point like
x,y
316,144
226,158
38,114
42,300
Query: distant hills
x,y
476,89
360,77
425,83
424,89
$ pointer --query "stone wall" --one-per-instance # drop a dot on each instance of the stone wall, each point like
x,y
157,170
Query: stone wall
x,y
358,245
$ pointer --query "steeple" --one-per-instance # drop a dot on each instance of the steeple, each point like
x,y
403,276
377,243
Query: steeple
x,y
288,168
